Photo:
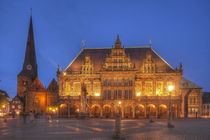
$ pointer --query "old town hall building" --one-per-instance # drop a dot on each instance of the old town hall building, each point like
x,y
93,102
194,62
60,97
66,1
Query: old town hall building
x,y
132,81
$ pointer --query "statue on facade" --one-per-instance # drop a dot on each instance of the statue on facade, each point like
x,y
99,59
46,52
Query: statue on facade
x,y
83,103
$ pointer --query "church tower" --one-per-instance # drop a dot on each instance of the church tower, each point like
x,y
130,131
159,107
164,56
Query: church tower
x,y
29,70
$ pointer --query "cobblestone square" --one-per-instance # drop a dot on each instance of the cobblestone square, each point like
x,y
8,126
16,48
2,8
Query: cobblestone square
x,y
102,129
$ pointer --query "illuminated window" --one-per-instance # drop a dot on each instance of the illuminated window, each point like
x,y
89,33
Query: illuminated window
x,y
148,88
159,88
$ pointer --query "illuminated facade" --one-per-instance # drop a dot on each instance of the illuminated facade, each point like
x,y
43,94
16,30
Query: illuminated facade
x,y
35,98
131,81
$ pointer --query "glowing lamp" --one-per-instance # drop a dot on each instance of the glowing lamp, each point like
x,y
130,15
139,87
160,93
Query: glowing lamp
x,y
50,108
97,94
18,112
119,102
3,106
53,110
138,94
170,88
157,92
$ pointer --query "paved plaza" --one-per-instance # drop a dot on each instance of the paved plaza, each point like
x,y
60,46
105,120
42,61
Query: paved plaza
x,y
102,129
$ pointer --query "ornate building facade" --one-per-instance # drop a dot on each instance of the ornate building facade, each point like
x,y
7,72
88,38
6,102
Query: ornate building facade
x,y
131,81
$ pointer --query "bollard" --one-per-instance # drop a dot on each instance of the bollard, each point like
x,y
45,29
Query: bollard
x,y
151,119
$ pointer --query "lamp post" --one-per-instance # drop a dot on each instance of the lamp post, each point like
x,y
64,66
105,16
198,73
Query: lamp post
x,y
170,125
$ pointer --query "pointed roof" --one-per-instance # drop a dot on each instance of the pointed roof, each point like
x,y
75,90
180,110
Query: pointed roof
x,y
30,65
137,57
184,83
53,86
118,42
37,85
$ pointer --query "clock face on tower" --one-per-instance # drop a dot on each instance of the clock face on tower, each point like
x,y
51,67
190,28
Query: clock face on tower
x,y
29,67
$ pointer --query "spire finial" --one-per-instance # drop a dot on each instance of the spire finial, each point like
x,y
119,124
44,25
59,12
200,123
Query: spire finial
x,y
150,41
83,44
118,42
31,12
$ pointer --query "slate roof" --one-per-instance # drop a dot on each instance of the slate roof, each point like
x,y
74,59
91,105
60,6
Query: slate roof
x,y
184,83
30,55
137,56
206,97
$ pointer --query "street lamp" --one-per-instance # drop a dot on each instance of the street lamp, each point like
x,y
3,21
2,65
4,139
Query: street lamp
x,y
170,125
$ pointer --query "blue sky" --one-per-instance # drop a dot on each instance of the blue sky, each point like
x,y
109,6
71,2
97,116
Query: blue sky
x,y
180,32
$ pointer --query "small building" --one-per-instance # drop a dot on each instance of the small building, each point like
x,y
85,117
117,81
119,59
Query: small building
x,y
206,104
16,106
4,102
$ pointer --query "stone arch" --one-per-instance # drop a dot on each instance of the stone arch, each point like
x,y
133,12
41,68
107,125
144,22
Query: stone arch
x,y
74,110
107,111
139,111
128,111
117,109
95,110
162,111
150,110
63,112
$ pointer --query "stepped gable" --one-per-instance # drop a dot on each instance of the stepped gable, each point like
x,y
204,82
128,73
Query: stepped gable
x,y
37,85
53,86
137,57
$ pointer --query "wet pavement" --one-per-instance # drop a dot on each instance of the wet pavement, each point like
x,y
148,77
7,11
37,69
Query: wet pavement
x,y
102,129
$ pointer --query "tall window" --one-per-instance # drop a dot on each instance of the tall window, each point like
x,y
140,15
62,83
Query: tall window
x,y
130,94
159,88
126,94
105,82
107,94
130,82
115,94
119,94
148,88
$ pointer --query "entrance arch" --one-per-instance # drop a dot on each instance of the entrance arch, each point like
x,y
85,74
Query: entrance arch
x,y
74,110
117,110
128,111
162,111
95,110
139,111
151,110
63,110
107,111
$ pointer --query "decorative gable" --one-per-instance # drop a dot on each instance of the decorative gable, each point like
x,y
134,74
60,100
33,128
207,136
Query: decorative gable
x,y
53,86
37,85
87,66
149,65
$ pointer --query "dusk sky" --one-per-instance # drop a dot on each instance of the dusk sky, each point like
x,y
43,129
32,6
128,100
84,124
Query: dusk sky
x,y
180,32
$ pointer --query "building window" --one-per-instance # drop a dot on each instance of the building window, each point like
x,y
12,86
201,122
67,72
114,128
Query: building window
x,y
130,94
130,82
105,82
119,94
148,88
126,94
115,94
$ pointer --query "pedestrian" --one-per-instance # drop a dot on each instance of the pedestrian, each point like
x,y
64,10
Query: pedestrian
x,y
31,115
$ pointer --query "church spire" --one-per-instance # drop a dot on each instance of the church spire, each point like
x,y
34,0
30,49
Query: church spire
x,y
30,66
